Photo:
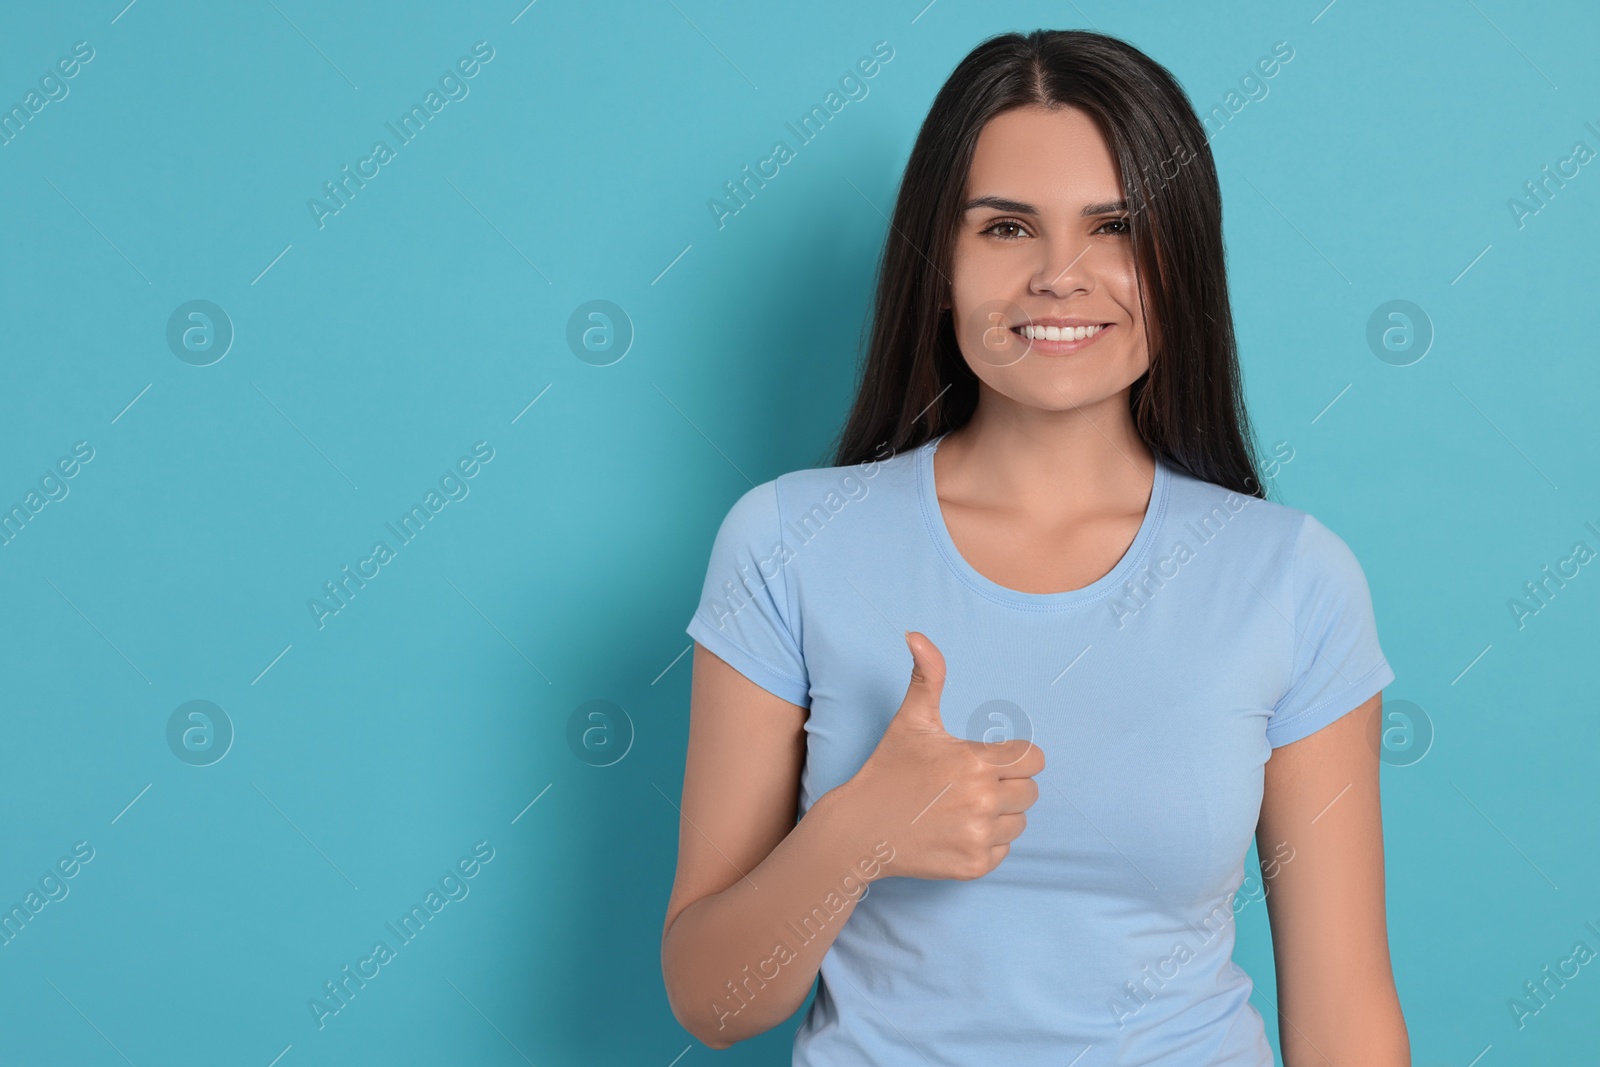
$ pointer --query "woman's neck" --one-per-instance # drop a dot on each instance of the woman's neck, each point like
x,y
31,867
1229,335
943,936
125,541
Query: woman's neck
x,y
1056,467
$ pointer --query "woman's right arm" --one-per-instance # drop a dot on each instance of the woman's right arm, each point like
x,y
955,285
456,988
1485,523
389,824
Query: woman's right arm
x,y
925,804
746,869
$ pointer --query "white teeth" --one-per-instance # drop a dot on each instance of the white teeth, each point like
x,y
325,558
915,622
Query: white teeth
x,y
1059,333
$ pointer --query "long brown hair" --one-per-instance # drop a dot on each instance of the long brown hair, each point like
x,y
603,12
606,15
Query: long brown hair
x,y
1189,406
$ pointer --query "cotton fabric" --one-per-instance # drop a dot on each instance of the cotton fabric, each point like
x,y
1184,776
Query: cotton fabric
x,y
1231,626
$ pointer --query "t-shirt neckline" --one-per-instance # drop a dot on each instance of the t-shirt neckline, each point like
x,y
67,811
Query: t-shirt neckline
x,y
1131,560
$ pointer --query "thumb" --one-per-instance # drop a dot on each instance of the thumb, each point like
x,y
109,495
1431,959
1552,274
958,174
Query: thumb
x,y
921,704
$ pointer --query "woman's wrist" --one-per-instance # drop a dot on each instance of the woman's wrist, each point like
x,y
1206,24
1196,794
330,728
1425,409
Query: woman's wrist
x,y
857,843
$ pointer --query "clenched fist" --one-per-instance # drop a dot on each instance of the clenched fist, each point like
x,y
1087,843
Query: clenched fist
x,y
950,807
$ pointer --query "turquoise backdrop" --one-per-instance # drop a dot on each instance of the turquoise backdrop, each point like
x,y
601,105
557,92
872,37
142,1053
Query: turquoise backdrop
x,y
243,346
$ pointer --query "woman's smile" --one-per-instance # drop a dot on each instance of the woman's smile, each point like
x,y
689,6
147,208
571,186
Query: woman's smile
x,y
1051,340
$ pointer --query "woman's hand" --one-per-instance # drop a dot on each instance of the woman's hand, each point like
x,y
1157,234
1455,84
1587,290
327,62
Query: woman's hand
x,y
948,806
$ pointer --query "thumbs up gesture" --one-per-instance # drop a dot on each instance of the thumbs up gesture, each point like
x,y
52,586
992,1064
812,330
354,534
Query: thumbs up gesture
x,y
950,807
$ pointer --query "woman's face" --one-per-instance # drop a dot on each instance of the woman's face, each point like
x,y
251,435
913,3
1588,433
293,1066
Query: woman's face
x,y
1044,241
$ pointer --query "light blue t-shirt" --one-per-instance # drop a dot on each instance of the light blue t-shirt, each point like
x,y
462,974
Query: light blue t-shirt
x,y
1231,626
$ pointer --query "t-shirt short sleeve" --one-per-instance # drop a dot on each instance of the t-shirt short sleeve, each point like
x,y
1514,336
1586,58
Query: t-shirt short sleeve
x,y
744,613
1337,662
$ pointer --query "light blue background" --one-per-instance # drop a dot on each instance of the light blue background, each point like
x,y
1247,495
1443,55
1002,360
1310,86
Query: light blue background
x,y
370,354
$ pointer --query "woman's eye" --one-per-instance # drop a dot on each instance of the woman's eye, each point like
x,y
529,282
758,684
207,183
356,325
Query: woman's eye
x,y
1007,225
1011,230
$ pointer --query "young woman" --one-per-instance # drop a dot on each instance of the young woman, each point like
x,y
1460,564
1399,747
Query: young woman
x,y
1045,490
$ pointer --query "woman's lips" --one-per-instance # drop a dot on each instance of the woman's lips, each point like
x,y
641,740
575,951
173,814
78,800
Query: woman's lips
x,y
1061,348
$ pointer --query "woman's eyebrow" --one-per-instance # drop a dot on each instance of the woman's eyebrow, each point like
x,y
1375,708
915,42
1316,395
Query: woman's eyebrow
x,y
1017,207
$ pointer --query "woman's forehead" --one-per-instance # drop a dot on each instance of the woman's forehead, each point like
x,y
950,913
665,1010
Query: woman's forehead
x,y
1052,159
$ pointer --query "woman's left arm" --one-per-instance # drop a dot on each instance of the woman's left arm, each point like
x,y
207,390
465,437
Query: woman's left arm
x,y
1337,1004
